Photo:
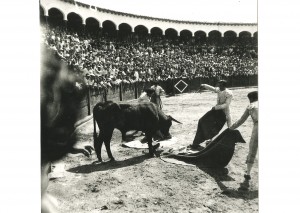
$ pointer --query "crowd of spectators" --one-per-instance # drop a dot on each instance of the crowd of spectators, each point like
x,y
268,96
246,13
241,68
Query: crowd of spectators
x,y
105,61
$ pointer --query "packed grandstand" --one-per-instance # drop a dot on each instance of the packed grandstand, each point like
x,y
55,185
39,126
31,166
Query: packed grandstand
x,y
104,58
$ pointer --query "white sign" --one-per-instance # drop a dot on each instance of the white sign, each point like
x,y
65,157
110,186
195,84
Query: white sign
x,y
182,82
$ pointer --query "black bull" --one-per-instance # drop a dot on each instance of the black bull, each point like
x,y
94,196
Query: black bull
x,y
144,117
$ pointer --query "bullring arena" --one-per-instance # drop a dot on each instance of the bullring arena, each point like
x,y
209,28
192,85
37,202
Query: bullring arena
x,y
117,55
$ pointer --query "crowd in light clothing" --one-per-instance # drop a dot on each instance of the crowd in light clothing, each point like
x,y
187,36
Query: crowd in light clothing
x,y
105,61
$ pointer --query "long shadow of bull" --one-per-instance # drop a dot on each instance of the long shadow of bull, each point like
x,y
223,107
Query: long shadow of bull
x,y
85,169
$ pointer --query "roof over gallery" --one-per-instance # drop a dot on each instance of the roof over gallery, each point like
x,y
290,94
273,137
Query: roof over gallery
x,y
190,11
85,12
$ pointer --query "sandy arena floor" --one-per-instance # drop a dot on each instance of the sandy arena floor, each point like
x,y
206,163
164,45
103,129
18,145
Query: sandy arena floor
x,y
135,183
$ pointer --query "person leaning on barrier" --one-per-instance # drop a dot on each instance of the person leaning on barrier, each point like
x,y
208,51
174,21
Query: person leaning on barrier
x,y
223,99
252,110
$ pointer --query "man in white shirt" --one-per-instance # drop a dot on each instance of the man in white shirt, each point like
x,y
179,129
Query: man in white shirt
x,y
158,91
251,110
223,100
136,75
146,95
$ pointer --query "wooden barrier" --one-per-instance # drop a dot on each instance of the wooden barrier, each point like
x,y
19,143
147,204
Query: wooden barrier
x,y
123,92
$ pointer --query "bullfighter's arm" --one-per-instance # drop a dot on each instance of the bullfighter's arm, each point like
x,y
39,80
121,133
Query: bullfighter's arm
x,y
211,88
241,120
226,104
162,91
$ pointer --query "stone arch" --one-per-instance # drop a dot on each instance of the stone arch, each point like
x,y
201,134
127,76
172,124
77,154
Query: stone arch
x,y
200,36
214,37
255,38
125,30
230,37
55,17
245,37
109,28
171,33
185,35
141,30
244,34
75,22
92,25
156,31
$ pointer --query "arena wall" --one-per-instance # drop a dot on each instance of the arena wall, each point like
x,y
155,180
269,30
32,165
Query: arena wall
x,y
125,92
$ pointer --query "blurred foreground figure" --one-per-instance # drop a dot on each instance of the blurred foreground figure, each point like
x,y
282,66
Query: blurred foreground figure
x,y
60,98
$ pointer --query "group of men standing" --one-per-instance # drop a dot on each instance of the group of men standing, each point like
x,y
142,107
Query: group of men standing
x,y
224,99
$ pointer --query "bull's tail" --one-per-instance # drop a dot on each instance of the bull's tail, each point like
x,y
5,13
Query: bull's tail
x,y
173,119
95,131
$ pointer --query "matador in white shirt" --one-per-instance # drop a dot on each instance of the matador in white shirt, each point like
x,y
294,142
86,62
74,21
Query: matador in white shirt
x,y
223,100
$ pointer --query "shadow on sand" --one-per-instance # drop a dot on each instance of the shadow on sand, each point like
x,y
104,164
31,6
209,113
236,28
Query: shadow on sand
x,y
221,175
89,168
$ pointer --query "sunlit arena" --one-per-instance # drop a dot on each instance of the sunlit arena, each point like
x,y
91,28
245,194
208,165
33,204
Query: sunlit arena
x,y
144,113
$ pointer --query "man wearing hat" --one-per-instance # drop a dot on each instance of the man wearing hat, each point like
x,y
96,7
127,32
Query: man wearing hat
x,y
224,98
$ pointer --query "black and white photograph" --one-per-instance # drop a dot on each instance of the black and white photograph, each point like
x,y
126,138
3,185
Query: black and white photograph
x,y
149,106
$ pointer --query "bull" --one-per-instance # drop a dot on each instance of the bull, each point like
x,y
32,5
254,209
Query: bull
x,y
144,117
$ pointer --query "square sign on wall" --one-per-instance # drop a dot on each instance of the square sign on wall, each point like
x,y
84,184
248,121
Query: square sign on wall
x,y
181,86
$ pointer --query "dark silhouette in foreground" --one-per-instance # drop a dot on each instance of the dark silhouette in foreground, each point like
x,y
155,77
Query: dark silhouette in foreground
x,y
145,117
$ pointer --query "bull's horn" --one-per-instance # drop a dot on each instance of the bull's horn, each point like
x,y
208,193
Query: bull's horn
x,y
174,119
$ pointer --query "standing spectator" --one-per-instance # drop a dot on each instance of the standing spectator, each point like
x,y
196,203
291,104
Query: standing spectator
x,y
136,75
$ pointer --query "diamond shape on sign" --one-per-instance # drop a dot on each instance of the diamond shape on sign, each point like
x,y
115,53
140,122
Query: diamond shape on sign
x,y
181,86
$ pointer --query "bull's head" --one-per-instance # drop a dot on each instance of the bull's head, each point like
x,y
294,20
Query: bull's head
x,y
166,125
